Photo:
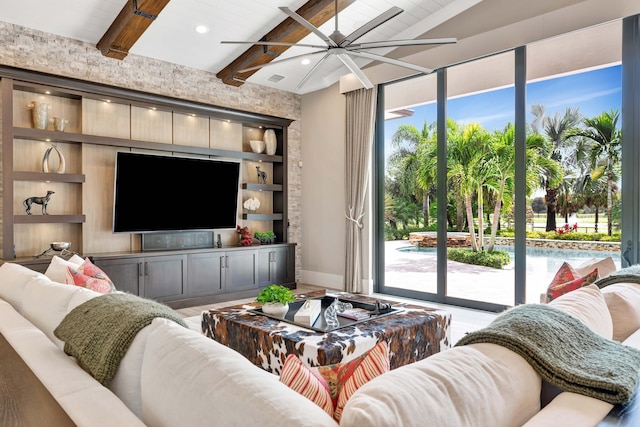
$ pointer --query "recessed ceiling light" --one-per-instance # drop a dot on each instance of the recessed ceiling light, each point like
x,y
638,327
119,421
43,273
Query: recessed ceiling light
x,y
305,61
201,29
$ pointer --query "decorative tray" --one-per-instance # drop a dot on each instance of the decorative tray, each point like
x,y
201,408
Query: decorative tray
x,y
320,325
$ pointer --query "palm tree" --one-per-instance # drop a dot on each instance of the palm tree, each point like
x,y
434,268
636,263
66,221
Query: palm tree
x,y
406,162
468,167
604,151
503,157
592,194
557,129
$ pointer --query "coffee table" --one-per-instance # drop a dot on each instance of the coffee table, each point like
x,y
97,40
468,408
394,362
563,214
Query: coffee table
x,y
413,333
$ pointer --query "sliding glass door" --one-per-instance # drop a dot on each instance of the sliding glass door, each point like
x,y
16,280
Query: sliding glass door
x,y
500,154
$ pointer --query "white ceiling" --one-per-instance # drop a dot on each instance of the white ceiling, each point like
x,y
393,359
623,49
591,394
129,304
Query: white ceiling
x,y
171,37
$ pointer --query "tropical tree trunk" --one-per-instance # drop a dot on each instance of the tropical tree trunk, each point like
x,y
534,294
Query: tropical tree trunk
x,y
480,219
595,226
472,231
496,218
460,208
425,209
609,201
552,204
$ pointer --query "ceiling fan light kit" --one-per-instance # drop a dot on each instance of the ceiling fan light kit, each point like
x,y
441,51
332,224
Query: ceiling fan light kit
x,y
344,48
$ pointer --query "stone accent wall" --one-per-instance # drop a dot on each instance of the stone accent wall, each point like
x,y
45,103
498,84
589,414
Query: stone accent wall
x,y
34,50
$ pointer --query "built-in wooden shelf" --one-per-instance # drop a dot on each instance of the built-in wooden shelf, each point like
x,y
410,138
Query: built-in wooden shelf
x,y
78,138
262,187
48,177
262,217
48,219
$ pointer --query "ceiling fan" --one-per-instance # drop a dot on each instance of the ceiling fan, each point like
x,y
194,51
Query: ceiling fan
x,y
344,47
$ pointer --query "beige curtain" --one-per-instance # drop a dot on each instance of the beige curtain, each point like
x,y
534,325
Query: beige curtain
x,y
361,106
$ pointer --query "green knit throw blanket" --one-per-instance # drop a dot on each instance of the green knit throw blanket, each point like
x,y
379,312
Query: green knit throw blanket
x,y
99,332
564,351
629,274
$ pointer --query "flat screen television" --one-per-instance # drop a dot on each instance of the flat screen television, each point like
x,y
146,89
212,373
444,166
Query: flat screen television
x,y
155,193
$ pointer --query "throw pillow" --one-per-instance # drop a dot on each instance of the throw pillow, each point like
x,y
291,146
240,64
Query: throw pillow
x,y
565,273
571,282
57,269
605,267
76,278
88,275
341,379
297,376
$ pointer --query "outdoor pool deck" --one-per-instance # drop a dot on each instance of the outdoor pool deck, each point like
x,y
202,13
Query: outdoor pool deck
x,y
416,270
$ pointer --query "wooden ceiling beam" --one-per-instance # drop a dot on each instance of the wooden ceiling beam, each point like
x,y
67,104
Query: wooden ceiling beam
x,y
317,12
132,21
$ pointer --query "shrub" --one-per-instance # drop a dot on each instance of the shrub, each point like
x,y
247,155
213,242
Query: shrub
x,y
494,259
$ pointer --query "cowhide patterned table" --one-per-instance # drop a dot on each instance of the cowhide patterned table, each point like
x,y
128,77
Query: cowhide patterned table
x,y
412,334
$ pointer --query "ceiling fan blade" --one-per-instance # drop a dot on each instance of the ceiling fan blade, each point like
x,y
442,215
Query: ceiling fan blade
x,y
292,58
353,67
399,43
264,43
315,67
379,20
391,61
308,25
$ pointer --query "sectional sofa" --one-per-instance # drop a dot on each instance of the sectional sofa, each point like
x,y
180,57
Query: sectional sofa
x,y
174,376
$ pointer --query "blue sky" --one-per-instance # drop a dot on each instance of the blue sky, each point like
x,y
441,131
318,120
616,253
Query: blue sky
x,y
592,92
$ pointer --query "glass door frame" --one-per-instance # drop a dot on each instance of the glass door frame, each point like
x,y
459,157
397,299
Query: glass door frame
x,y
520,199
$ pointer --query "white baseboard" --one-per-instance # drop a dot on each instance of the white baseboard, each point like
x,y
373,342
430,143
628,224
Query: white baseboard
x,y
325,280
332,281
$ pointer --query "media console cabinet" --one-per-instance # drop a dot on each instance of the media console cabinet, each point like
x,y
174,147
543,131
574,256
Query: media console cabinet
x,y
191,277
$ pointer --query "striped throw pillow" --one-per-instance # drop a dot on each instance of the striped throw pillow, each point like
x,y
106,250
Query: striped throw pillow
x,y
297,376
331,386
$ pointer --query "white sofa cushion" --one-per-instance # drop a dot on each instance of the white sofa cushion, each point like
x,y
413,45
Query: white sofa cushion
x,y
191,380
475,385
13,278
588,305
85,401
46,303
605,267
57,270
633,340
126,382
571,410
623,301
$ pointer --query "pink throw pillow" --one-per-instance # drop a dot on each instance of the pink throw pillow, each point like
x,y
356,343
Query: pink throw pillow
x,y
89,276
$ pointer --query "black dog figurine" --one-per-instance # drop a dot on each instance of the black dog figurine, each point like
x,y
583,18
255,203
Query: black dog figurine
x,y
37,200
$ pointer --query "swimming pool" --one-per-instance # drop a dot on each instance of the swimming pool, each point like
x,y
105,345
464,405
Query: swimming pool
x,y
553,257
414,268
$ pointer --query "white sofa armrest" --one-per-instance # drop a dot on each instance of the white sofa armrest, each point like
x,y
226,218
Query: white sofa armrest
x,y
571,409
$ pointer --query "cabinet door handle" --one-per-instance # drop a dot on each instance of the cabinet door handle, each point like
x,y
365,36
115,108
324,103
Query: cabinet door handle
x,y
140,270
226,262
222,261
146,268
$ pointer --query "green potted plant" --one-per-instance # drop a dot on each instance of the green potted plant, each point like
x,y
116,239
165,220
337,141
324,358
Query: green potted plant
x,y
265,237
275,299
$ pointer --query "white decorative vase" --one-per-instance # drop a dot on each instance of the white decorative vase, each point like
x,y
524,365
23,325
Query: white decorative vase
x,y
257,146
275,308
270,141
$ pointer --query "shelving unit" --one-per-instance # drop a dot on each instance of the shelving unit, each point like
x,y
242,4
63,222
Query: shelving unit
x,y
102,120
